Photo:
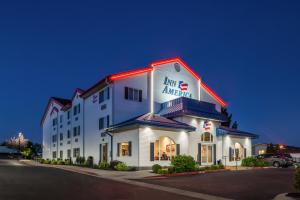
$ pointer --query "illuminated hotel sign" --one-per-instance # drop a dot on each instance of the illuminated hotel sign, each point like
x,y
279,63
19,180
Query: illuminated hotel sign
x,y
176,88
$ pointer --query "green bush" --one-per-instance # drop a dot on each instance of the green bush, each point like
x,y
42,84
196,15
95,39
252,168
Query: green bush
x,y
221,166
89,162
47,161
214,167
53,162
183,163
114,163
68,161
162,171
42,161
60,162
121,167
80,161
171,170
297,179
253,162
155,168
103,165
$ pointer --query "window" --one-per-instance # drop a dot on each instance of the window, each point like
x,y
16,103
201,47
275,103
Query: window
x,y
69,134
101,123
104,95
164,148
207,137
133,94
104,122
61,154
69,153
76,109
261,151
124,149
61,119
76,152
69,114
54,154
76,131
61,136
54,138
237,153
54,122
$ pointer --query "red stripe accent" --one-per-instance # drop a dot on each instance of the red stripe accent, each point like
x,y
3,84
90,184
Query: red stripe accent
x,y
129,73
166,61
213,94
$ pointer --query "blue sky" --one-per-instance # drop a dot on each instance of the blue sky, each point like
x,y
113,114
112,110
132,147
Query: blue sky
x,y
248,52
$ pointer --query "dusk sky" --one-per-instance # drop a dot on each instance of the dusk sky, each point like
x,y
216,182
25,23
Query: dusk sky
x,y
248,52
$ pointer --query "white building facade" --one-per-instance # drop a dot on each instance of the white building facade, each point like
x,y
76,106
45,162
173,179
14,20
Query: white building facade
x,y
143,117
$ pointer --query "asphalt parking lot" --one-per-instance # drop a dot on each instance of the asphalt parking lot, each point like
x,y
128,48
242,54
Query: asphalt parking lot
x,y
246,184
20,182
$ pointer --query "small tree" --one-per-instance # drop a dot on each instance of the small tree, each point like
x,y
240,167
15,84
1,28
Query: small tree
x,y
235,125
26,153
297,179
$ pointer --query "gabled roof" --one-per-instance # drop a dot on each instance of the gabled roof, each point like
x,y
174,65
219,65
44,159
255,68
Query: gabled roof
x,y
105,81
222,130
60,101
150,119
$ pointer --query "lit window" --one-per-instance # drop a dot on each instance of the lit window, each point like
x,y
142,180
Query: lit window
x,y
164,149
124,149
207,137
261,151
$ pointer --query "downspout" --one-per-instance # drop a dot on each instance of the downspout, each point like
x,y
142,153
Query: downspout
x,y
83,130
111,142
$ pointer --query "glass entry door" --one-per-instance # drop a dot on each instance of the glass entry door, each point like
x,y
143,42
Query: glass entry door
x,y
206,154
103,152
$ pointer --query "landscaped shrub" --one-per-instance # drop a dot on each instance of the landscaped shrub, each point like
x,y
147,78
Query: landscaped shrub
x,y
53,162
68,161
297,179
221,166
155,168
47,161
214,167
42,161
162,171
103,165
89,162
114,163
60,162
183,163
121,167
253,162
171,170
80,160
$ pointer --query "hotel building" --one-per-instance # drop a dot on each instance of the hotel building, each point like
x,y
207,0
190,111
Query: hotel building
x,y
143,117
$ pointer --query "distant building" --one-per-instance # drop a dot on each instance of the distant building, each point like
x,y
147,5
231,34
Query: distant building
x,y
6,151
258,149
144,117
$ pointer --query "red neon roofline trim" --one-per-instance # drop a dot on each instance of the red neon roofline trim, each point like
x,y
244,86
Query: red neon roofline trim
x,y
129,73
166,61
214,94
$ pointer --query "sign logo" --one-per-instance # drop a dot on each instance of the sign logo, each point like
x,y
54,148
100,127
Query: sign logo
x,y
183,86
176,88
207,125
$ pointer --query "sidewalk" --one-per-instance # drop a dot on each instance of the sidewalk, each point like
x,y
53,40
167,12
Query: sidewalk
x,y
97,172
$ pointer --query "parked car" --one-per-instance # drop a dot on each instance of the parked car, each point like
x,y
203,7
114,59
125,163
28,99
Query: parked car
x,y
277,160
297,165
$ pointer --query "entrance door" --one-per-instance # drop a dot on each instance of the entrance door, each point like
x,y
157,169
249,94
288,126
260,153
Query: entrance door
x,y
206,154
104,152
